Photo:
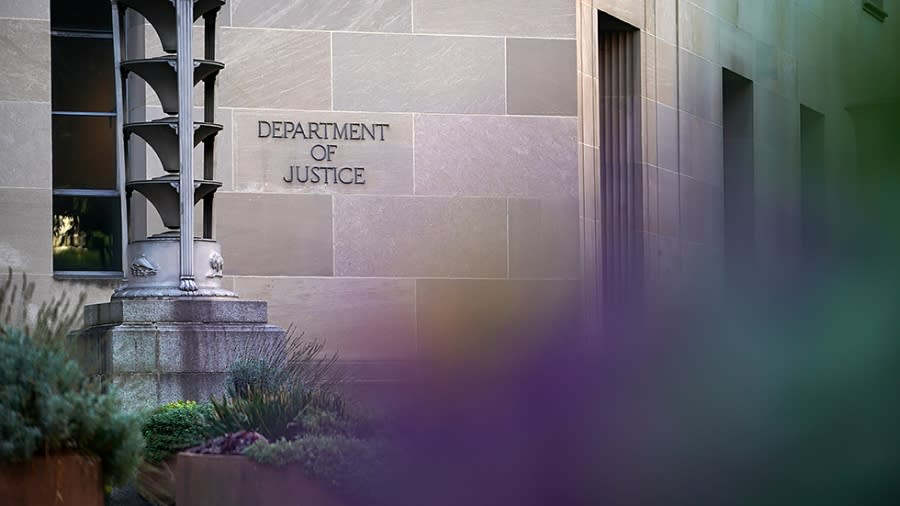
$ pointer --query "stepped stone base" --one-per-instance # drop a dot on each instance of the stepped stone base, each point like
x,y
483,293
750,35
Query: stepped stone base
x,y
163,350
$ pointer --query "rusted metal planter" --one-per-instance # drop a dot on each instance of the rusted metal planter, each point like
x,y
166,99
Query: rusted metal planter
x,y
234,480
70,480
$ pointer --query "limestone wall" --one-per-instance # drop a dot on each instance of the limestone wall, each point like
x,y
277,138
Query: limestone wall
x,y
484,189
467,221
819,54
26,153
469,203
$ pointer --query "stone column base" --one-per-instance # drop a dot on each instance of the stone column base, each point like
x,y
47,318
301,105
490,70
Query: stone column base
x,y
158,351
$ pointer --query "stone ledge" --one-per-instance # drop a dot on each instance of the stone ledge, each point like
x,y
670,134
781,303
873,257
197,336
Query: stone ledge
x,y
176,310
167,347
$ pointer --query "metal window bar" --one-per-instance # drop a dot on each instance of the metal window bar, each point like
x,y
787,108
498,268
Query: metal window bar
x,y
120,48
84,192
83,113
88,274
81,35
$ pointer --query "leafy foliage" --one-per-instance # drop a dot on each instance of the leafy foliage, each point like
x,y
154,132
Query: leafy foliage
x,y
173,427
291,401
249,374
53,319
345,464
286,413
47,405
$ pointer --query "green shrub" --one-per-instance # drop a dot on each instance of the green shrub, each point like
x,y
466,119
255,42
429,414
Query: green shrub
x,y
290,401
173,427
283,392
48,406
254,374
342,463
286,413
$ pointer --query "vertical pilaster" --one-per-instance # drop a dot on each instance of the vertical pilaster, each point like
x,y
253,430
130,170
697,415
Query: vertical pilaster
x,y
184,21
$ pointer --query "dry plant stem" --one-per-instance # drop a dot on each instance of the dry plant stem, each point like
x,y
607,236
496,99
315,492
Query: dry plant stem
x,y
304,361
54,319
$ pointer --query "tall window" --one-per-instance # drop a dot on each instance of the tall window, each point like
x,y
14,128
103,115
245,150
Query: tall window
x,y
620,178
87,238
814,181
738,151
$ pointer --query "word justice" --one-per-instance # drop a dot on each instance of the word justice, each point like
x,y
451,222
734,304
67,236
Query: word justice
x,y
327,175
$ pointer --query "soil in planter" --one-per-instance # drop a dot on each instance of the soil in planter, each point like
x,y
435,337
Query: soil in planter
x,y
229,444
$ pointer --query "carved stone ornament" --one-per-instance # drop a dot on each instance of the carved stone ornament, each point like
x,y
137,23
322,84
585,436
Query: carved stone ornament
x,y
142,267
216,263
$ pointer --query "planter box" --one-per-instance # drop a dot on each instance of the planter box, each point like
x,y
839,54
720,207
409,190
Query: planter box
x,y
234,480
71,480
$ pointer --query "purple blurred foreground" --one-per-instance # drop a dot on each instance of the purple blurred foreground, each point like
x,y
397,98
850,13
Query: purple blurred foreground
x,y
781,388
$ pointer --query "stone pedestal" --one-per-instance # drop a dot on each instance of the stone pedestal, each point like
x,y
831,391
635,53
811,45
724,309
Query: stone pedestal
x,y
162,350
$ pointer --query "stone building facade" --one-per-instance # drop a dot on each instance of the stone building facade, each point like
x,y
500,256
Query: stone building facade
x,y
506,163
744,123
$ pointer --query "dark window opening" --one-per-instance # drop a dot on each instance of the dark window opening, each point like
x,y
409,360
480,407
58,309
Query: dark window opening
x,y
84,152
81,15
813,180
81,233
740,222
82,73
86,202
